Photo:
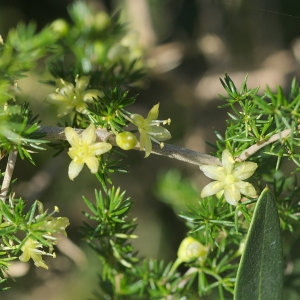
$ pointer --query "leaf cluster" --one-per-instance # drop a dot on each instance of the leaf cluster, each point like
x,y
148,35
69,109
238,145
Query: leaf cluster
x,y
18,131
254,119
18,225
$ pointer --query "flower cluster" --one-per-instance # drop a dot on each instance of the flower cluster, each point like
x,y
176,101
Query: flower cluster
x,y
67,96
229,179
84,150
150,129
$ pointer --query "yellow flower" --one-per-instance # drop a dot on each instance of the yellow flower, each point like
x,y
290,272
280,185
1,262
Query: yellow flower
x,y
84,150
67,97
30,251
150,129
229,179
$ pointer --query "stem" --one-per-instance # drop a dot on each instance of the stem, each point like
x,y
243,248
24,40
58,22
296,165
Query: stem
x,y
254,148
182,154
12,157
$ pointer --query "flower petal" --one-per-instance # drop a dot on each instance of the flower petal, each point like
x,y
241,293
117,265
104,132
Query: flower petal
x,y
232,194
100,148
214,172
137,120
89,135
244,170
38,261
81,107
246,188
55,98
64,109
143,139
93,163
212,188
25,256
74,169
153,113
89,95
148,147
72,136
82,83
61,84
159,133
227,161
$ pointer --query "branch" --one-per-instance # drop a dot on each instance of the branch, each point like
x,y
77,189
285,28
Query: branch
x,y
254,148
182,154
12,157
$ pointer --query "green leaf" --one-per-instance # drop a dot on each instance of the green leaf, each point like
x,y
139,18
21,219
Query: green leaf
x,y
260,274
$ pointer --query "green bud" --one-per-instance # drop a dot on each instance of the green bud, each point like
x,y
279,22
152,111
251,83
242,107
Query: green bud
x,y
101,21
191,249
60,26
126,140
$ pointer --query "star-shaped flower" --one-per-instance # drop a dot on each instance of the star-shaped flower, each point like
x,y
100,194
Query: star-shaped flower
x,y
84,150
150,129
30,251
67,96
229,179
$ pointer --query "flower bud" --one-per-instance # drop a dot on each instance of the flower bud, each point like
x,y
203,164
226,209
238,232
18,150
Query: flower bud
x,y
191,249
101,21
60,26
126,140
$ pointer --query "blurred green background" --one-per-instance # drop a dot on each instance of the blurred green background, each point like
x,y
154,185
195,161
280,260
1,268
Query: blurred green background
x,y
188,46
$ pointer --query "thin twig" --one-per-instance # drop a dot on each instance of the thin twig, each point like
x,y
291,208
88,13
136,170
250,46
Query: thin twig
x,y
254,148
12,157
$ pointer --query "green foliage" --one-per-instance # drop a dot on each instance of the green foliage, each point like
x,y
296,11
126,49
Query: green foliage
x,y
87,49
18,225
102,51
257,118
108,111
176,191
18,131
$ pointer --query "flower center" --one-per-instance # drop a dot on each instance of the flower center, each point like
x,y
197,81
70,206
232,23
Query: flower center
x,y
81,152
229,179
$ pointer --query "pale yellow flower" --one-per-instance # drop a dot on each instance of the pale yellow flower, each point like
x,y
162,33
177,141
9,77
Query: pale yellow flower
x,y
84,150
30,251
150,129
68,97
229,179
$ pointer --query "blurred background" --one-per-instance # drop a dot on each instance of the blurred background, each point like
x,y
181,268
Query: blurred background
x,y
188,47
